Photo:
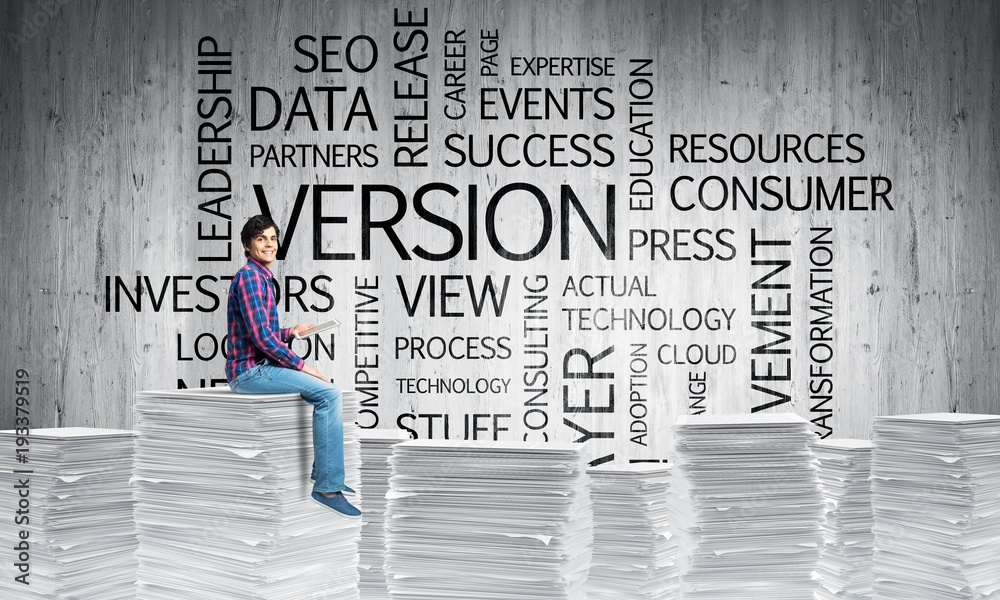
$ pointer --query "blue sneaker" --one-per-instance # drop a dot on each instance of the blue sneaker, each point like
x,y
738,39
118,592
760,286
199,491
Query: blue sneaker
x,y
337,503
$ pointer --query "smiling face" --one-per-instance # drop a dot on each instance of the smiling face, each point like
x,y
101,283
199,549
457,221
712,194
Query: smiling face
x,y
263,246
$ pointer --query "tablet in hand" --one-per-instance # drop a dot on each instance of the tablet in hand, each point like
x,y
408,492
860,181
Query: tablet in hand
x,y
320,328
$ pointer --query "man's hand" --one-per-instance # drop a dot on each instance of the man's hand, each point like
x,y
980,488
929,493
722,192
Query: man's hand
x,y
311,371
300,328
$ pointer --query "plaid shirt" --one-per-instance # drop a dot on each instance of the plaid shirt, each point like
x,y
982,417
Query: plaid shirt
x,y
252,319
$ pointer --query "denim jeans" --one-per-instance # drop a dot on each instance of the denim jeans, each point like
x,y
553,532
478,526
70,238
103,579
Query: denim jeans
x,y
328,421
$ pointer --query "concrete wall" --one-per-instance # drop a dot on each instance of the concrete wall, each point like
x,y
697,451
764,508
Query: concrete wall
x,y
100,147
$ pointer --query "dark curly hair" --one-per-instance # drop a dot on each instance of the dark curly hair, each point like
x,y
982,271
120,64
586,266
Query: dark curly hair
x,y
255,225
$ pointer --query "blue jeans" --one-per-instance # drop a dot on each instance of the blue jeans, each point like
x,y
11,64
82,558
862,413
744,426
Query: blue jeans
x,y
328,421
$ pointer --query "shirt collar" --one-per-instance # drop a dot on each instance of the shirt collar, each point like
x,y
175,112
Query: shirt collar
x,y
259,266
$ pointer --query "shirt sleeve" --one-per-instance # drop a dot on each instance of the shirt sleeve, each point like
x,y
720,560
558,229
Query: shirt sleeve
x,y
251,296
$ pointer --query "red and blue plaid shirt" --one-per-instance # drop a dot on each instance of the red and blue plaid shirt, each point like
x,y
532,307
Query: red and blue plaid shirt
x,y
252,318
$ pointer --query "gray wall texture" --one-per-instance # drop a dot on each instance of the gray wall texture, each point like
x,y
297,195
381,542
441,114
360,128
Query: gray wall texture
x,y
115,283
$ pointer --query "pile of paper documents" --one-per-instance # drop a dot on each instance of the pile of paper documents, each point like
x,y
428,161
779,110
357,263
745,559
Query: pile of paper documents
x,y
376,448
67,528
936,500
634,550
746,504
488,520
845,563
224,511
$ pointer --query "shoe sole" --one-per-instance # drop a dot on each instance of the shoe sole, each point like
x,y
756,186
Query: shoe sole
x,y
335,511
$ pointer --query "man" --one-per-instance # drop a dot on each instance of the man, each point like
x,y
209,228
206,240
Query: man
x,y
260,362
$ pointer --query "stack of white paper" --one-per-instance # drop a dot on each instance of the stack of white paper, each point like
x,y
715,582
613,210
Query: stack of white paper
x,y
75,509
488,520
746,504
376,448
634,550
224,510
936,499
845,563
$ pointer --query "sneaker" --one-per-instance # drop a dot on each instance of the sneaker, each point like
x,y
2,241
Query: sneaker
x,y
337,503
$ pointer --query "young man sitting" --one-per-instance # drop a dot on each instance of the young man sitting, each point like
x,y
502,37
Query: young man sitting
x,y
261,362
